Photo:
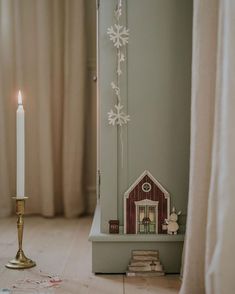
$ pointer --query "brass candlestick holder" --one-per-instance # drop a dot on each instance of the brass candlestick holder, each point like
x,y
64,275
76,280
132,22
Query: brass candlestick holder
x,y
20,261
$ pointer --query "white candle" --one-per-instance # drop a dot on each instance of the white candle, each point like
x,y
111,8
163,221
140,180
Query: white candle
x,y
20,140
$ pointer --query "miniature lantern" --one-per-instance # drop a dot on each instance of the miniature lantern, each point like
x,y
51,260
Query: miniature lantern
x,y
152,266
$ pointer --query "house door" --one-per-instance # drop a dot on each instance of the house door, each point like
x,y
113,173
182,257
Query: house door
x,y
146,219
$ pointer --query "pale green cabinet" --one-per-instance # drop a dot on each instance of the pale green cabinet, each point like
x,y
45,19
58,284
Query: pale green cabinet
x,y
156,92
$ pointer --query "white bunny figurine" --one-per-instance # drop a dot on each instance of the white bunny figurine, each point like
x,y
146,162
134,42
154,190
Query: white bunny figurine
x,y
172,225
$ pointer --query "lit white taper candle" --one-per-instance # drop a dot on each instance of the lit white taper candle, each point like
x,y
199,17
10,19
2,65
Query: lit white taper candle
x,y
20,139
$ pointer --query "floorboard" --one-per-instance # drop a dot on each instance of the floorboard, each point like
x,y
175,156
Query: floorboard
x,y
60,247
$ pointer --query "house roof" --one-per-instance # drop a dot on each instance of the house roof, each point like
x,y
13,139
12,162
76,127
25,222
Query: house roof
x,y
147,173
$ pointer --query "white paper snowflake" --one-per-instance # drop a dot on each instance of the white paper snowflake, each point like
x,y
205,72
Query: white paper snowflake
x,y
119,117
119,35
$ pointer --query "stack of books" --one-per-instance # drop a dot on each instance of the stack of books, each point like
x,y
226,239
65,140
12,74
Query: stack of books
x,y
145,263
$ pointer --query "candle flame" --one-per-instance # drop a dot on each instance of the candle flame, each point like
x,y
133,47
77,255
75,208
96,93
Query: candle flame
x,y
19,98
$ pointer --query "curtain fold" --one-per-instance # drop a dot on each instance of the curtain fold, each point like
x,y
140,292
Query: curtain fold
x,y
74,87
43,53
209,263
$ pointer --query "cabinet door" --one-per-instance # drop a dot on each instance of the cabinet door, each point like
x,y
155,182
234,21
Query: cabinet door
x,y
155,90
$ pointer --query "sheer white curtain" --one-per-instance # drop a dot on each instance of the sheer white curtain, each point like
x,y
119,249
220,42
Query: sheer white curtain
x,y
209,258
42,52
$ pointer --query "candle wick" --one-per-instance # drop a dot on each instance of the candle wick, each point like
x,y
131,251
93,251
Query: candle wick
x,y
20,98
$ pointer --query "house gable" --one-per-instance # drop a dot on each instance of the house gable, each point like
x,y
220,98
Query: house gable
x,y
137,193
146,173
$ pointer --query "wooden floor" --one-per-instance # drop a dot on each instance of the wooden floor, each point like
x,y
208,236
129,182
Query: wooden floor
x,y
60,247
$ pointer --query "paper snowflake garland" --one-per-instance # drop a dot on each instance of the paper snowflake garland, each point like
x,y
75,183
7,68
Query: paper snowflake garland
x,y
118,13
116,90
121,58
118,117
119,35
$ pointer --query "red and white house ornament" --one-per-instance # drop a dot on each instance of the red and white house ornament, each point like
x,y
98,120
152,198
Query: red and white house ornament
x,y
146,206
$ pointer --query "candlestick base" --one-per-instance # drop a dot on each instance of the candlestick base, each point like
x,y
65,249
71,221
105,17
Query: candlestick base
x,y
20,261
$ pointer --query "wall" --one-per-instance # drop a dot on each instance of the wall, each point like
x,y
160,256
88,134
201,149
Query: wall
x,y
159,90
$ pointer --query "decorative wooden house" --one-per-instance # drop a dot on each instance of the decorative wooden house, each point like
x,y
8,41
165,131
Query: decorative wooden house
x,y
146,206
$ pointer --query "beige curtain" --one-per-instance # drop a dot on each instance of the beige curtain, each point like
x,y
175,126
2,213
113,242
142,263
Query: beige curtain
x,y
209,259
42,52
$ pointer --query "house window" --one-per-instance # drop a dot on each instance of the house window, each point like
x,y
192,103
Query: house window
x,y
141,216
146,219
152,217
146,187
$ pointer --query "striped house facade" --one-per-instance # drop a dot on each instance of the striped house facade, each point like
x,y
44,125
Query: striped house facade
x,y
146,206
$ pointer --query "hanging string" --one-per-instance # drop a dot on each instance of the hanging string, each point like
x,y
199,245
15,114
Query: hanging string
x,y
119,6
122,147
119,35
